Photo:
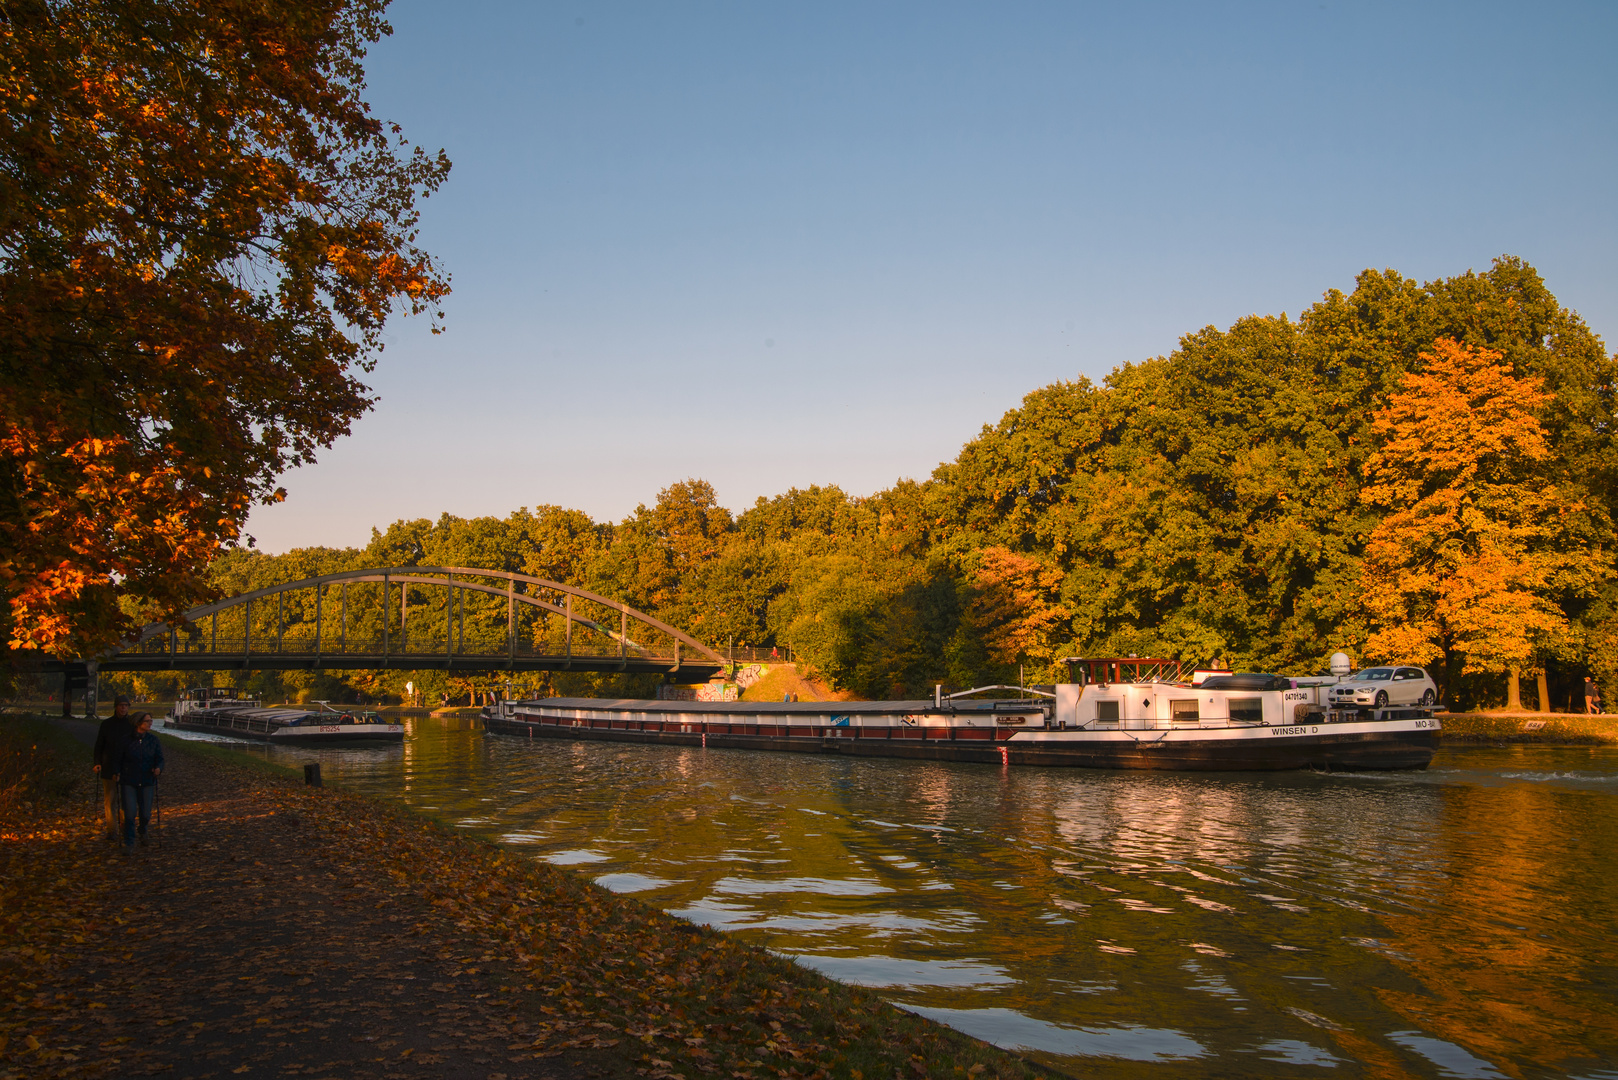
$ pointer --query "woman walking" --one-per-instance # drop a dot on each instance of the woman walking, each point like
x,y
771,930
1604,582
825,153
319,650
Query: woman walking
x,y
137,779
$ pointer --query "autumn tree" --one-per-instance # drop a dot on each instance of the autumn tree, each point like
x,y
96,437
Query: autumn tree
x,y
1475,538
202,233
1014,607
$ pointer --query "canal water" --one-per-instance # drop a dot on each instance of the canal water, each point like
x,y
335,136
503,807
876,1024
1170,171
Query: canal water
x,y
1458,922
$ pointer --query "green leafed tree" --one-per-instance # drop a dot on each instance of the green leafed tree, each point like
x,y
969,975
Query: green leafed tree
x,y
1208,502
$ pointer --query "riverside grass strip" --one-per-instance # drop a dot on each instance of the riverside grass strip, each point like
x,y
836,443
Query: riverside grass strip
x,y
292,931
1552,729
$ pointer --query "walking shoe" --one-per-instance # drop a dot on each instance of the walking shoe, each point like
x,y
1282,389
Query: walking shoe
x,y
129,849
142,839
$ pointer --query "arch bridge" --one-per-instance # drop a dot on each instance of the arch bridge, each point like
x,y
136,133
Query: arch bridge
x,y
452,618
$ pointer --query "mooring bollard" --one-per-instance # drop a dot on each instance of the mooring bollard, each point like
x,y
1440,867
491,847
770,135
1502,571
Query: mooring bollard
x,y
311,774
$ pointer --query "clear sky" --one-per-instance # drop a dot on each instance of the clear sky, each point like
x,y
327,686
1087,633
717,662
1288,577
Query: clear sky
x,y
774,245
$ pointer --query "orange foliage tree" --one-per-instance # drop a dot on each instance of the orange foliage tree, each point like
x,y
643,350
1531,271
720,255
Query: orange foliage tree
x,y
1476,539
202,233
1014,607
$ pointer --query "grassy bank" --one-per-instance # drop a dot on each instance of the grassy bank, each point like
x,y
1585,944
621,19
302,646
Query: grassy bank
x,y
40,763
1560,729
783,679
590,978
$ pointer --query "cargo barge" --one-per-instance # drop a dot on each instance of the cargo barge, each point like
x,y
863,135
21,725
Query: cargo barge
x,y
221,712
1114,714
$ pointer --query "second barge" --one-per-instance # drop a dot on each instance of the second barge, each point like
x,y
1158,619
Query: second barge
x,y
216,712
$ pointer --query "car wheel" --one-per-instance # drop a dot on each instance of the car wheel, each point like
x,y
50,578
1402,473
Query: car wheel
x,y
1381,698
1428,697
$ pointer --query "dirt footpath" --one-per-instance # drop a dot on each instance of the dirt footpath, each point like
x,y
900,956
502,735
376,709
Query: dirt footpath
x,y
240,941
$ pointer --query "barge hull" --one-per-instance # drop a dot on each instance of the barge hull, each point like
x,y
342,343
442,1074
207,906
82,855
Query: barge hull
x,y
1350,748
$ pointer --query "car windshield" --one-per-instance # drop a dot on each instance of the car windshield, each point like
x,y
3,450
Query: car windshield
x,y
1376,674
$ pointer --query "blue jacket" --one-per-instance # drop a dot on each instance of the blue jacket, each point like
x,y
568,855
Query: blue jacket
x,y
142,755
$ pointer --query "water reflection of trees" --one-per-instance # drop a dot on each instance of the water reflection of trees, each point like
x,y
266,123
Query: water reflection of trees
x,y
1515,951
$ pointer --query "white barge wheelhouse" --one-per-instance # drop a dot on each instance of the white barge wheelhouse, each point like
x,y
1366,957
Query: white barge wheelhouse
x,y
1113,714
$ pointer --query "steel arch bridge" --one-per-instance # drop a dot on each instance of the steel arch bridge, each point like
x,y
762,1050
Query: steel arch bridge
x,y
413,618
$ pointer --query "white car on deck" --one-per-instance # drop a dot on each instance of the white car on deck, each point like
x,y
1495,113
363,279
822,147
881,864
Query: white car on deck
x,y
1383,686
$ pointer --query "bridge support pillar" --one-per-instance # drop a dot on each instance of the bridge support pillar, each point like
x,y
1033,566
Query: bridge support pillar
x,y
74,680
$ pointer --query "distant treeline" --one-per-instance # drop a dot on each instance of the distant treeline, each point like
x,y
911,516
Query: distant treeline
x,y
1408,472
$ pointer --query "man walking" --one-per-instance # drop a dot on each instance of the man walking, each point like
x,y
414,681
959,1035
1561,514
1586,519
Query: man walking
x,y
138,770
114,734
1592,696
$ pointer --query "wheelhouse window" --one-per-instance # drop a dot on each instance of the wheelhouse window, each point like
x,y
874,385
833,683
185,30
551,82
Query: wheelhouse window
x,y
1107,710
1185,711
1247,709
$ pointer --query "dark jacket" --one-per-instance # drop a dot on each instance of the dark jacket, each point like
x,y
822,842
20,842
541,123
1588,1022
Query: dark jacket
x,y
114,734
142,755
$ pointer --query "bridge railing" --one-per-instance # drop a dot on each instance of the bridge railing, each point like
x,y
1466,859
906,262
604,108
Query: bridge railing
x,y
304,645
301,640
757,654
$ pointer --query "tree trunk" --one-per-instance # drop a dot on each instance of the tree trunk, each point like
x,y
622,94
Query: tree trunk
x,y
1513,691
1544,692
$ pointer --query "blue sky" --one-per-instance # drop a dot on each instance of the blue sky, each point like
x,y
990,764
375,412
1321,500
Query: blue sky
x,y
774,245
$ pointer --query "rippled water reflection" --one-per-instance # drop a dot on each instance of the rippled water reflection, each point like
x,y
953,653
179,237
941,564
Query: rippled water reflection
x,y
1454,923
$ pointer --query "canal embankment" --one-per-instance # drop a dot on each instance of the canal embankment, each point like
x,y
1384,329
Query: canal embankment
x,y
270,926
